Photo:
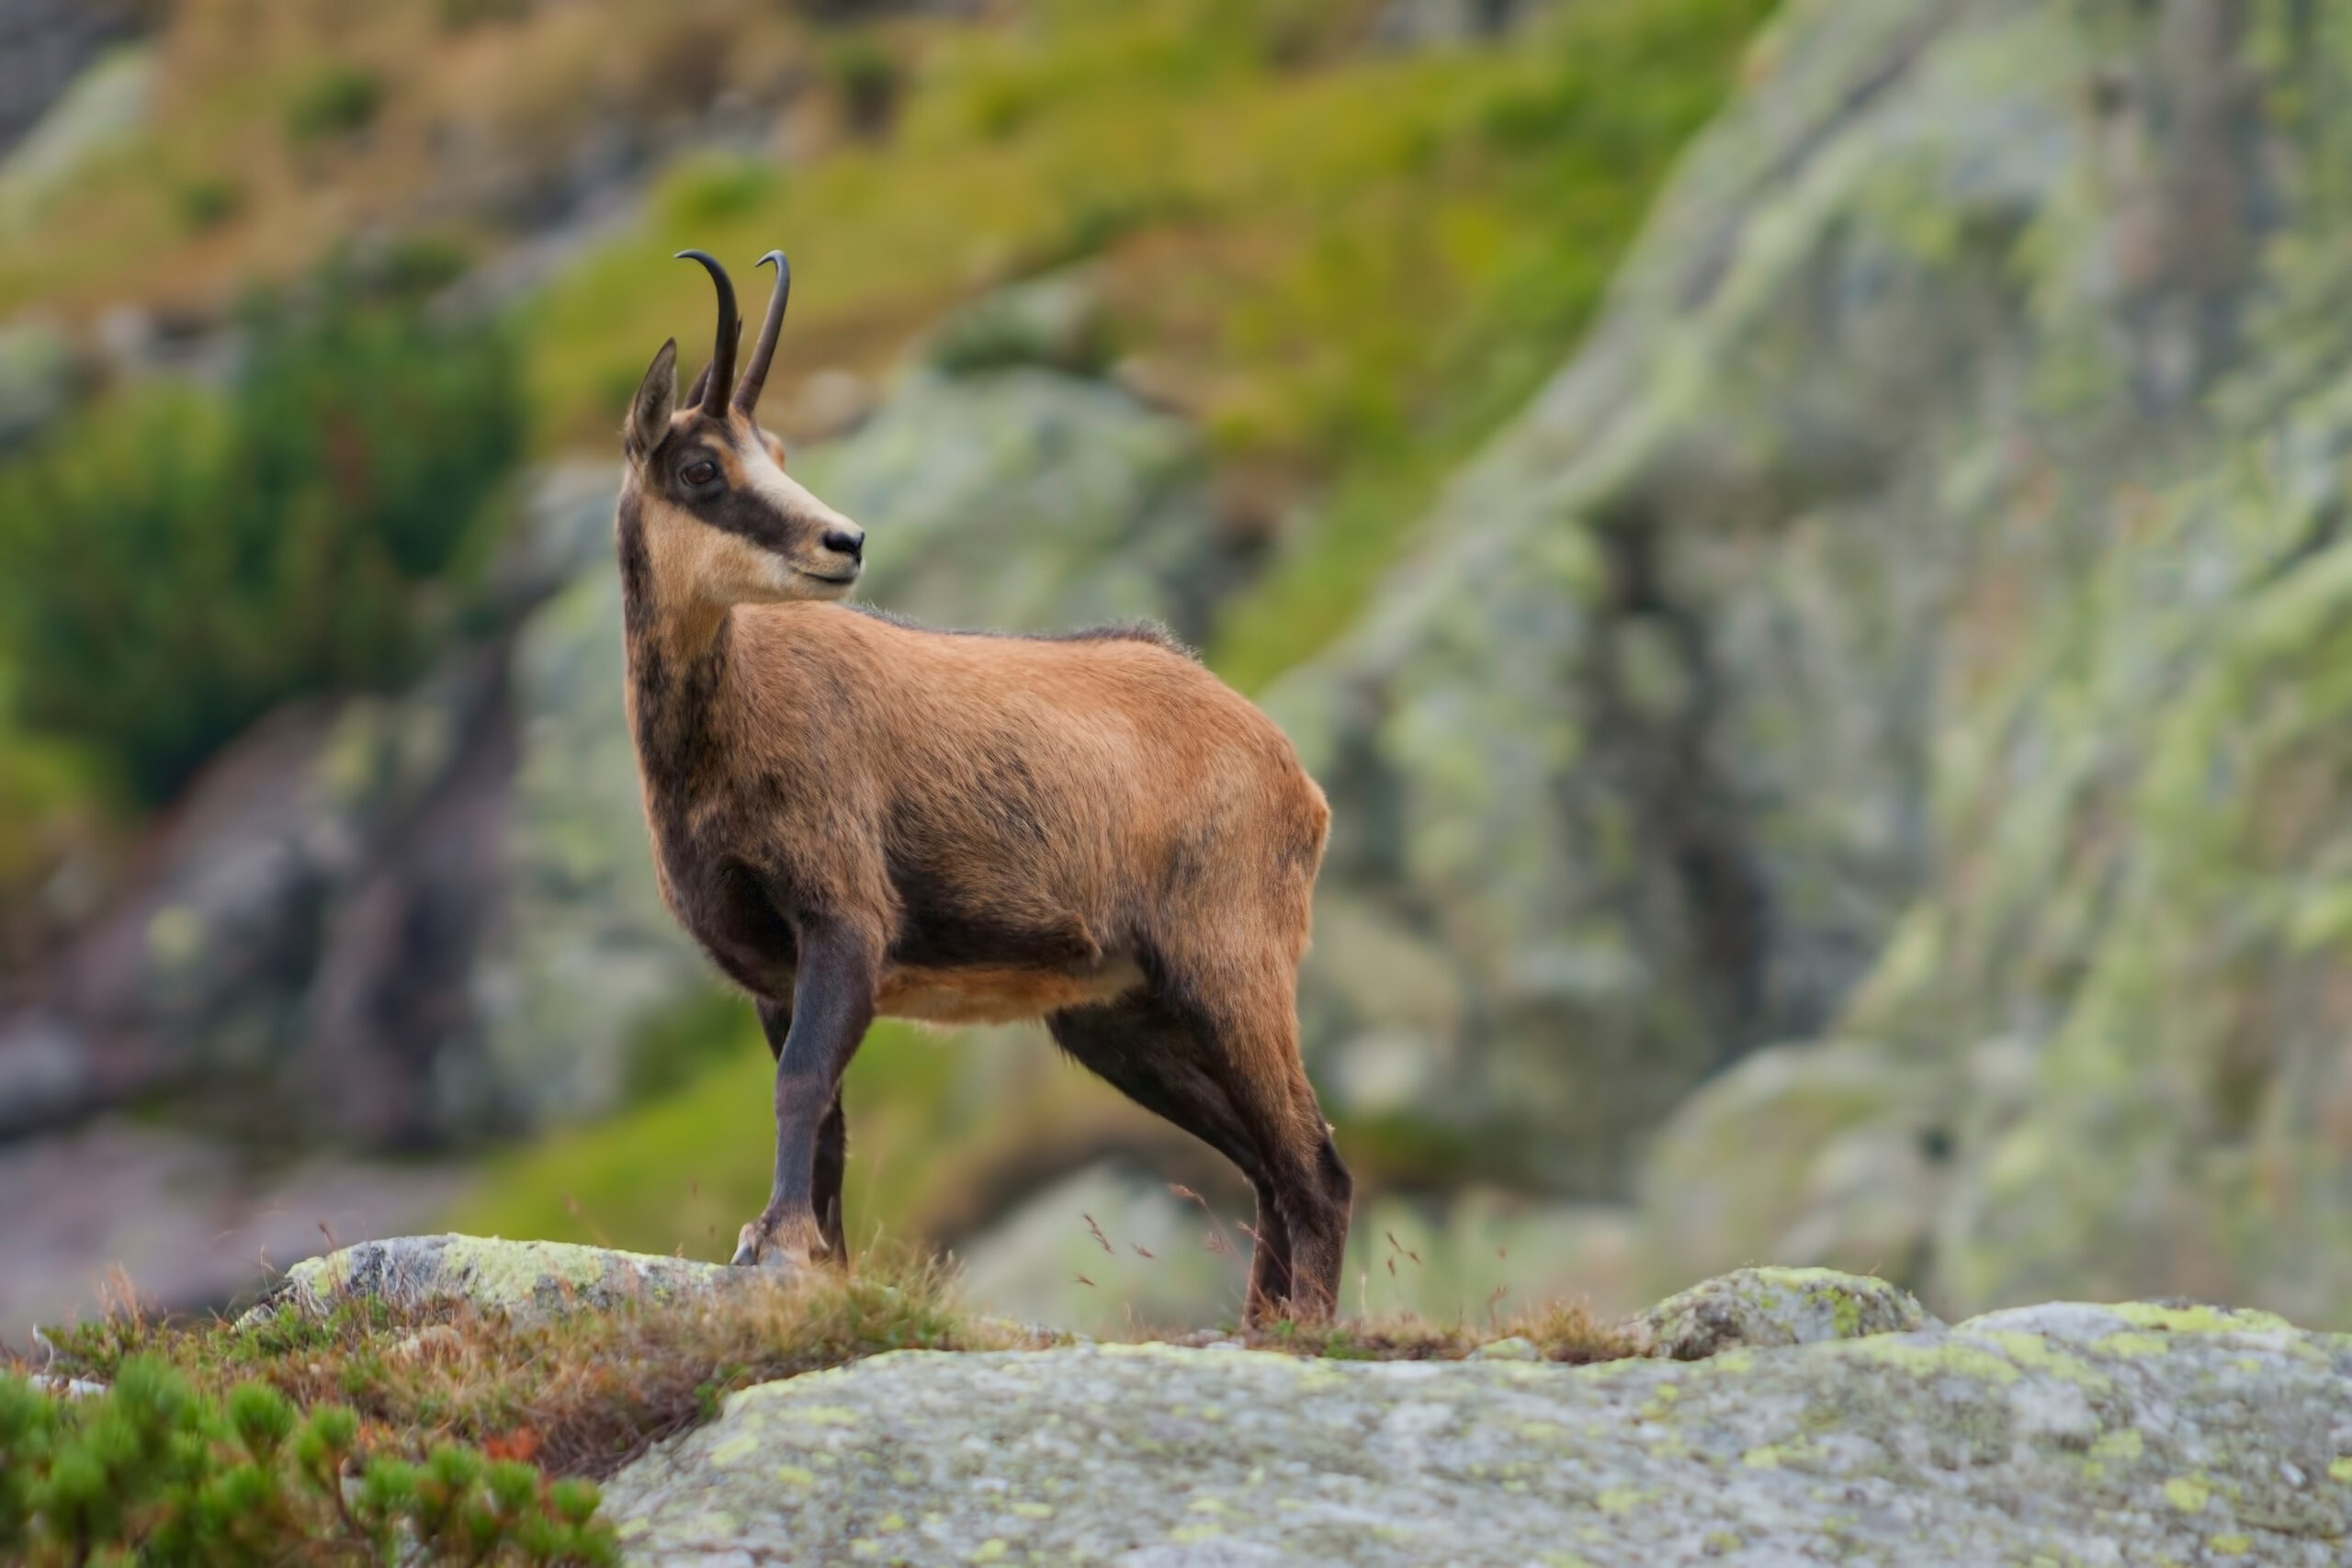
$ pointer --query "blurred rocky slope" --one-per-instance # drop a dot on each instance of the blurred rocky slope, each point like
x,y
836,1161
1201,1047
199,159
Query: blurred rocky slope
x,y
1915,622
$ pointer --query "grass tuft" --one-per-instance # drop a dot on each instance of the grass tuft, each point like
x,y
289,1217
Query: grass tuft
x,y
575,1397
1563,1332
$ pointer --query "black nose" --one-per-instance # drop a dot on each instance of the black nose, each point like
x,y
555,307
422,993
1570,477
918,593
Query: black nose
x,y
850,542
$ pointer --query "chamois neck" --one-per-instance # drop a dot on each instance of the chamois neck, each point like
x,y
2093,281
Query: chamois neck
x,y
676,644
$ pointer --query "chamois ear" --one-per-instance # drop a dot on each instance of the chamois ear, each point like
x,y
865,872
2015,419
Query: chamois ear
x,y
657,399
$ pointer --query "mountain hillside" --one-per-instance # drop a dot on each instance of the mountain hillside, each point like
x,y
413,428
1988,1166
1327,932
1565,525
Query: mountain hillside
x,y
1912,622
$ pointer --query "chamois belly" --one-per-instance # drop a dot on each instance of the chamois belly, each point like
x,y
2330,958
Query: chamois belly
x,y
998,994
951,962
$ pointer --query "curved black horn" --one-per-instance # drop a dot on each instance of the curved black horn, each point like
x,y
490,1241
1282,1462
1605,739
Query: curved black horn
x,y
755,373
730,329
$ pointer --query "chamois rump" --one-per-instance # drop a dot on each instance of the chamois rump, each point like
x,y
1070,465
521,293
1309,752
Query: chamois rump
x,y
855,816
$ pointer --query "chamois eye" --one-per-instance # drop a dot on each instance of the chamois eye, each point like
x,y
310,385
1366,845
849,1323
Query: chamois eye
x,y
699,474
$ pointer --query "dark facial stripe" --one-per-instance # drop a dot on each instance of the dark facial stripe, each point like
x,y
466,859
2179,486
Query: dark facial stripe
x,y
734,506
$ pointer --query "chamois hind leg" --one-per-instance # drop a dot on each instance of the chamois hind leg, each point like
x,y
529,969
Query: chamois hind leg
x,y
832,1005
1158,1059
1248,1012
1245,1021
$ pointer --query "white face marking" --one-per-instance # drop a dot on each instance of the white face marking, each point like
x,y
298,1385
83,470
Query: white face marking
x,y
795,499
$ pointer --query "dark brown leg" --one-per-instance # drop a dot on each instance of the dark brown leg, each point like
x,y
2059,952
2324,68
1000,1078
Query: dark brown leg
x,y
1303,1185
1163,1061
833,1004
832,1165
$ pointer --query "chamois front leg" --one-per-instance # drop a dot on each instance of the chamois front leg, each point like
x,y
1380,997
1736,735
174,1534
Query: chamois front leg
x,y
832,1005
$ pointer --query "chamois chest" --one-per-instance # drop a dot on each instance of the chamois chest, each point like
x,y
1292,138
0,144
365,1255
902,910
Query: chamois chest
x,y
723,903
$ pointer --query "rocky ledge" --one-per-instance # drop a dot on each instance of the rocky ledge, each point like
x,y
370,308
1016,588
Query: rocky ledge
x,y
1780,1416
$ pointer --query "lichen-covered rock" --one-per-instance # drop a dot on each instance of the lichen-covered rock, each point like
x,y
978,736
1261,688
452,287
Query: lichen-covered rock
x,y
523,1279
2091,1434
1774,1308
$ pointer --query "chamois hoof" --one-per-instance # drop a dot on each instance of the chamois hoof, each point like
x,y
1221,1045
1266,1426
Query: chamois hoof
x,y
755,1250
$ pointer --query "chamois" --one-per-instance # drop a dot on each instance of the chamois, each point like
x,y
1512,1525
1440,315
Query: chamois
x,y
855,816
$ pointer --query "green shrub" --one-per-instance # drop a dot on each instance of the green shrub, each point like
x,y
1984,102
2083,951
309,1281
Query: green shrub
x,y
714,189
179,562
153,1472
336,100
208,202
866,76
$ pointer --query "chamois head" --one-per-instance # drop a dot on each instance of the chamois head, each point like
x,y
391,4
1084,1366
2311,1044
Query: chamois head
x,y
709,485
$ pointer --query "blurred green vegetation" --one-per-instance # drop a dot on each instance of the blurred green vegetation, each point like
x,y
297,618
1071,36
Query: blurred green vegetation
x,y
177,561
1362,262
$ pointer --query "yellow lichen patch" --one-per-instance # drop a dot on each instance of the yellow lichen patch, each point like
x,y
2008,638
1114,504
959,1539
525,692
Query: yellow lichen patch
x,y
1945,1357
735,1450
2035,1353
2187,1494
1766,1458
2229,1545
1033,1510
2201,1319
794,1475
1621,1500
2135,1344
820,1415
2340,1468
2125,1445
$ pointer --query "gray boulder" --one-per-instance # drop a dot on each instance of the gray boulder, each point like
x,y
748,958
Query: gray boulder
x,y
2066,1434
1773,1308
524,1279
